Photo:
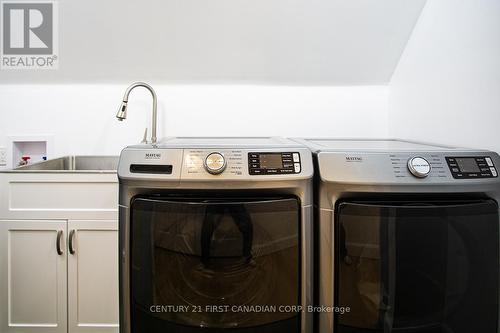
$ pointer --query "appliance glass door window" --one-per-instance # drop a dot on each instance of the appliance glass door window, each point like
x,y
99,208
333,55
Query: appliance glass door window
x,y
423,268
215,265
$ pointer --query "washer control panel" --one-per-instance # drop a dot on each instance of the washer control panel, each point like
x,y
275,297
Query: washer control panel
x,y
471,167
200,163
214,164
272,163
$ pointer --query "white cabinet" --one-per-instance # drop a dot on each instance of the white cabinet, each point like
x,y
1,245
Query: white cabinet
x,y
58,276
33,277
93,276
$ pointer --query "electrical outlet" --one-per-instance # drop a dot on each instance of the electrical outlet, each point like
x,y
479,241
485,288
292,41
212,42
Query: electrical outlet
x,y
3,157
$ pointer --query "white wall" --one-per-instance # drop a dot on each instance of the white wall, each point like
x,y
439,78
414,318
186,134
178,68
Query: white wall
x,y
446,87
290,42
82,117
220,68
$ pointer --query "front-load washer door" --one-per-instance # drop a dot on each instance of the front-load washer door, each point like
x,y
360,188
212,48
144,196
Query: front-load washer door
x,y
427,267
225,265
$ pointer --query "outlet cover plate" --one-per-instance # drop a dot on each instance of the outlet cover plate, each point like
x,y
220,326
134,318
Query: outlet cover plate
x,y
3,157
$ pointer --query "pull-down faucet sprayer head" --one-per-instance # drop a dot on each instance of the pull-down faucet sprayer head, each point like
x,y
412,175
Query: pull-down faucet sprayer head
x,y
122,111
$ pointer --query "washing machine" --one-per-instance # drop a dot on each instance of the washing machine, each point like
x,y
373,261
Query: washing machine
x,y
216,236
408,237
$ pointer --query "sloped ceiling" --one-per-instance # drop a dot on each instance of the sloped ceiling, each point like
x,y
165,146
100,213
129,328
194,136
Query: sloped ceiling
x,y
296,42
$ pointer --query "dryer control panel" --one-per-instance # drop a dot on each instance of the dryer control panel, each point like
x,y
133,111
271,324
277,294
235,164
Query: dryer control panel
x,y
419,167
272,163
471,167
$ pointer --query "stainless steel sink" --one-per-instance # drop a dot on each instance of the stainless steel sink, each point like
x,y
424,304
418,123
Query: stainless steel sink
x,y
74,164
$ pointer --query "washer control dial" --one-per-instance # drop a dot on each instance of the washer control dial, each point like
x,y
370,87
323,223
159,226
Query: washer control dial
x,y
215,163
419,167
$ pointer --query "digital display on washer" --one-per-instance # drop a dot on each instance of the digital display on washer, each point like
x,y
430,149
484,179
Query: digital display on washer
x,y
467,165
271,161
470,167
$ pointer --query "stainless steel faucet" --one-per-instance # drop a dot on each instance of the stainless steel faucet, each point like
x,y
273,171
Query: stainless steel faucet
x,y
122,112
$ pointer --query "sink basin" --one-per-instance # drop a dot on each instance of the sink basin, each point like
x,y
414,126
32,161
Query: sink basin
x,y
74,164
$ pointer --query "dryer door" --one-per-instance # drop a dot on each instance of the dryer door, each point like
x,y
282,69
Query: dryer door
x,y
215,265
417,267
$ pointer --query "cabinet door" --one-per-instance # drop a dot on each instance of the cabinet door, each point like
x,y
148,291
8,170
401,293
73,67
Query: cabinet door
x,y
33,277
93,276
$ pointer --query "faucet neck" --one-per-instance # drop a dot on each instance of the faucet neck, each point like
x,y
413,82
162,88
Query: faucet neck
x,y
155,113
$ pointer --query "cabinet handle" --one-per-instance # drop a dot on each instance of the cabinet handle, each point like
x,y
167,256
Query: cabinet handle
x,y
71,238
58,242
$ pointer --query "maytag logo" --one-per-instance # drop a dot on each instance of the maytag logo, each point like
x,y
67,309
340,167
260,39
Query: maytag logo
x,y
29,34
351,159
153,156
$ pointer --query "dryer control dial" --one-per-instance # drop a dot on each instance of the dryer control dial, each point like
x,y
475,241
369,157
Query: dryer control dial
x,y
419,167
215,163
